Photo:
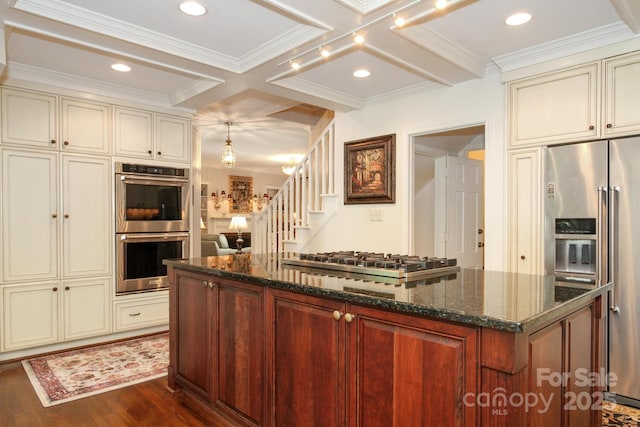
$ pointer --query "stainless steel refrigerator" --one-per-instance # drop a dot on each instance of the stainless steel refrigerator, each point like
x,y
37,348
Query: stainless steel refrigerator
x,y
592,236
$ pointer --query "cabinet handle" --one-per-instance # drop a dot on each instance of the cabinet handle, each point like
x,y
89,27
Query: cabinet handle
x,y
66,143
592,127
337,314
55,289
134,314
349,317
522,257
54,215
66,288
53,141
609,125
66,215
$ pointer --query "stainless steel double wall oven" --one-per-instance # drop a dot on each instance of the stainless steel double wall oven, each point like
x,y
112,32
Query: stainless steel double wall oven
x,y
152,224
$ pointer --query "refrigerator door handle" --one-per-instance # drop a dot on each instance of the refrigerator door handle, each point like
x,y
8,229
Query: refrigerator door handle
x,y
614,190
601,266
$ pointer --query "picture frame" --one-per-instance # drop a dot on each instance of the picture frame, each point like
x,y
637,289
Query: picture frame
x,y
370,170
240,194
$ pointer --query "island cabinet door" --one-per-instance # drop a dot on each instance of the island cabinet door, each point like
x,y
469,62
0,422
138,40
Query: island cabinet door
x,y
307,360
409,371
239,385
191,322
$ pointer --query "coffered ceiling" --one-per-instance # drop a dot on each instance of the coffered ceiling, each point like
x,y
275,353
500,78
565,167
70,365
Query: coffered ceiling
x,y
234,62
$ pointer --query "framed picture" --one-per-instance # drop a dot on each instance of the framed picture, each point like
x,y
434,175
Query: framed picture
x,y
240,194
370,170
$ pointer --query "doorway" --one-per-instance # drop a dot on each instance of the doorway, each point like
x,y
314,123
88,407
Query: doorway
x,y
447,209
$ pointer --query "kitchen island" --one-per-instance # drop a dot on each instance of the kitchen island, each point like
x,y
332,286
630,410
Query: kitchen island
x,y
259,342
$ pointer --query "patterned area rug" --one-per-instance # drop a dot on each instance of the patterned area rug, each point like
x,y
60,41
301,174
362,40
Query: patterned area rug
x,y
63,377
618,415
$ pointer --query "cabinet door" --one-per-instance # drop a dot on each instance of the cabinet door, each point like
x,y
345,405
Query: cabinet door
x,y
29,215
133,132
85,126
173,140
556,107
29,118
622,96
30,315
193,331
421,377
239,386
86,307
525,206
305,335
87,216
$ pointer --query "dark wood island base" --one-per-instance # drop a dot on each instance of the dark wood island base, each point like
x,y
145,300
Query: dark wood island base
x,y
260,345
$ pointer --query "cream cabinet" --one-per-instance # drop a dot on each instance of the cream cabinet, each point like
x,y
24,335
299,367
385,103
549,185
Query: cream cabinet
x,y
142,312
621,113
29,118
149,135
48,312
39,206
525,210
33,119
556,107
86,126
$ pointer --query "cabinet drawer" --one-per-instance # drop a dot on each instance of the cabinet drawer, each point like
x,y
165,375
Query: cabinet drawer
x,y
141,314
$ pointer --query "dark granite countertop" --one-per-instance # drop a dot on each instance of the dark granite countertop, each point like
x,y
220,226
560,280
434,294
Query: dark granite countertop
x,y
505,301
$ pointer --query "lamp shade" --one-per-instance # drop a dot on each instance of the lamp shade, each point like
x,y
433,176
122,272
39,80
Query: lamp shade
x,y
238,223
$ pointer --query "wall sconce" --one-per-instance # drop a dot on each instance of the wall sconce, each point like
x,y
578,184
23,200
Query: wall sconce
x,y
218,199
260,202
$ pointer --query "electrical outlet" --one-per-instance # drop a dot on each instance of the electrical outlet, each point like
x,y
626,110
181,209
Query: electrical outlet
x,y
375,214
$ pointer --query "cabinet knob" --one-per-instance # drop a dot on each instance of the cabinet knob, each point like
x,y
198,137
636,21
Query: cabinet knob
x,y
349,317
66,288
609,125
66,215
149,151
592,127
54,215
210,284
159,153
66,143
53,141
337,314
55,289
204,283
523,257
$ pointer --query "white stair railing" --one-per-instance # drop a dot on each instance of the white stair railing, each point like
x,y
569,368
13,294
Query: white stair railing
x,y
301,194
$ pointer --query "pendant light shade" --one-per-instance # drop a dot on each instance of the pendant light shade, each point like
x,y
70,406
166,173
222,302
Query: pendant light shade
x,y
228,155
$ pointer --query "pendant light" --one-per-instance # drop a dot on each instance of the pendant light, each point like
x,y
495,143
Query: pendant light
x,y
228,155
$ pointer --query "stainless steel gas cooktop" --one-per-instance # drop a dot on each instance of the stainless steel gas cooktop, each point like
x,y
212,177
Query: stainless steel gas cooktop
x,y
375,264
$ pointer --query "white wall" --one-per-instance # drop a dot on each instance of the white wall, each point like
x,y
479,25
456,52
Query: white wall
x,y
470,103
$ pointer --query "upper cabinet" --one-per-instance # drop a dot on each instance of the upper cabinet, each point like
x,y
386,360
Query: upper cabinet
x,y
592,101
31,118
148,135
555,107
621,113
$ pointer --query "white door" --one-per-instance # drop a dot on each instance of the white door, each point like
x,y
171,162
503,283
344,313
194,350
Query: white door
x,y
460,216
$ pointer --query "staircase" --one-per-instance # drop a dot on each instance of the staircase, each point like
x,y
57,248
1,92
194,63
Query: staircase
x,y
303,204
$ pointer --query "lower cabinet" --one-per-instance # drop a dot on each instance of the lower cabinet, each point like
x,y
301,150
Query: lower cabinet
x,y
141,312
342,377
220,351
48,312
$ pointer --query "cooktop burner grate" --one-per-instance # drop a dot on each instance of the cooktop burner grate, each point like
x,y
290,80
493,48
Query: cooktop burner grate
x,y
376,264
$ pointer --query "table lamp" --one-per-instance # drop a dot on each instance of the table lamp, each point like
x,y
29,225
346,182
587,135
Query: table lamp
x,y
238,223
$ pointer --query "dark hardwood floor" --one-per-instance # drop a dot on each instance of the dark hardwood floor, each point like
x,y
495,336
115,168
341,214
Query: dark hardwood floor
x,y
146,404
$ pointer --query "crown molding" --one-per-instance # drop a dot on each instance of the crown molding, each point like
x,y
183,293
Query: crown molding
x,y
364,7
335,97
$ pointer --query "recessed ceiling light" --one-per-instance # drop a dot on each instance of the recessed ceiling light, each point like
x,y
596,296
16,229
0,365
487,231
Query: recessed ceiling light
x,y
362,73
121,67
193,8
518,18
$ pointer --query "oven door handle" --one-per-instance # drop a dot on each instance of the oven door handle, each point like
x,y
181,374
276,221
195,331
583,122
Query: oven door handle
x,y
132,179
153,237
